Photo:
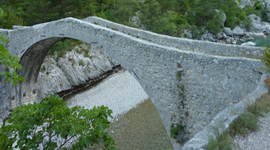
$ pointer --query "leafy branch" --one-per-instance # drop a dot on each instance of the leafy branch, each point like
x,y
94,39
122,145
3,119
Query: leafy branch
x,y
11,62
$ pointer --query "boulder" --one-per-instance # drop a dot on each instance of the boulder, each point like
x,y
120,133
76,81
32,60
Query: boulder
x,y
204,36
219,36
259,34
228,31
238,31
224,36
212,39
254,17
249,44
210,35
189,35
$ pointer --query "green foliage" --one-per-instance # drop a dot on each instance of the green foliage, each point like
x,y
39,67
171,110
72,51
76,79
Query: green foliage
x,y
60,46
123,11
247,23
250,10
9,17
233,13
153,19
261,106
196,32
222,141
215,24
244,123
43,69
11,62
1,12
264,15
266,58
81,63
86,53
175,128
52,119
258,5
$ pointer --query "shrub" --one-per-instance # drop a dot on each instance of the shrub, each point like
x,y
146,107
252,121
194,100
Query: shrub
x,y
266,58
50,121
244,123
175,128
247,23
221,142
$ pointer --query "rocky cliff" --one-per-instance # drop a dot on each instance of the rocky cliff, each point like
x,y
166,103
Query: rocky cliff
x,y
74,69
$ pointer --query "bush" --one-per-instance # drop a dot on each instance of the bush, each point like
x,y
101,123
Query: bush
x,y
60,46
246,122
250,10
196,32
264,12
266,58
221,142
43,124
215,24
247,23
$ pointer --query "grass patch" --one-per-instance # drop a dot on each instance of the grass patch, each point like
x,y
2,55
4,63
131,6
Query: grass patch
x,y
86,53
261,106
81,63
43,69
223,141
244,124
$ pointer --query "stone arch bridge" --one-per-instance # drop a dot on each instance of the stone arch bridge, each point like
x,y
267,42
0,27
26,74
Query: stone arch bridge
x,y
214,76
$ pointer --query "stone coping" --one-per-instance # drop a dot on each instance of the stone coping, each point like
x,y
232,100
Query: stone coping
x,y
182,43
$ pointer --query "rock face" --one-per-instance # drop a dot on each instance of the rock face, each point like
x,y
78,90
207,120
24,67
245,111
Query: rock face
x,y
228,31
238,31
74,68
258,26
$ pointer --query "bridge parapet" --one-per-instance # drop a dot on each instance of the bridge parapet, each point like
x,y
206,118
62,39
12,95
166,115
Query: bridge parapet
x,y
182,43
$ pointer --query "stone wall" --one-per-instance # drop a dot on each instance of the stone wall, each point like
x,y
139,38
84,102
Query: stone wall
x,y
211,82
181,43
4,87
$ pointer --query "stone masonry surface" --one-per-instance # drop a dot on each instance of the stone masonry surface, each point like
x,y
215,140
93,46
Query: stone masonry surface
x,y
181,43
212,82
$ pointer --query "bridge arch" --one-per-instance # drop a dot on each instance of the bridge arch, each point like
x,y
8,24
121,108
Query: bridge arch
x,y
210,81
32,44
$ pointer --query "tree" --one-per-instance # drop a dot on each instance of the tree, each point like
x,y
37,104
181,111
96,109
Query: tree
x,y
123,11
51,124
9,18
153,19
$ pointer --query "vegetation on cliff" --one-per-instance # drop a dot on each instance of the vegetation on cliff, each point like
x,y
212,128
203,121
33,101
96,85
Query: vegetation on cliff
x,y
169,17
